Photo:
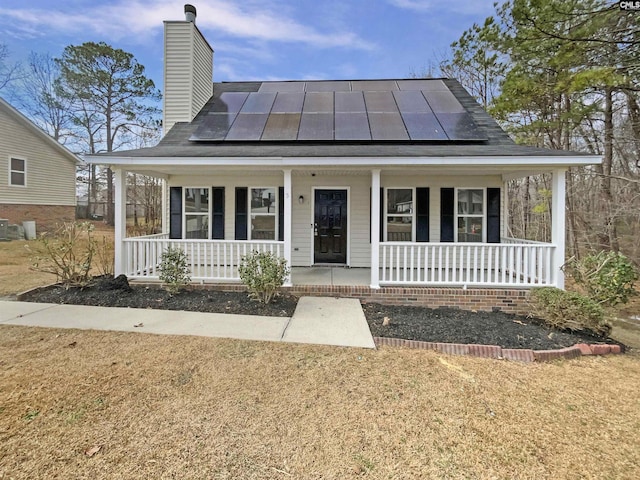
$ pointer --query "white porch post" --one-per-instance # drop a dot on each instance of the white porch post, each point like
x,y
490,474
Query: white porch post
x,y
375,228
165,206
120,220
505,197
558,224
288,196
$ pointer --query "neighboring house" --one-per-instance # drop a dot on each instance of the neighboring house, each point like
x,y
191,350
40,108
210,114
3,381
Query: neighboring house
x,y
404,179
37,174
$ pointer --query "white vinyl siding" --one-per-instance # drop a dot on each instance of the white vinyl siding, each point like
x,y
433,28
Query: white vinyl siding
x,y
51,176
188,73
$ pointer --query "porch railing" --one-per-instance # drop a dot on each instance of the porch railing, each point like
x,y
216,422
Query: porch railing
x,y
473,264
207,259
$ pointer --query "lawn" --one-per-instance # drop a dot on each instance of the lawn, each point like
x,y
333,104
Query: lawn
x,y
190,407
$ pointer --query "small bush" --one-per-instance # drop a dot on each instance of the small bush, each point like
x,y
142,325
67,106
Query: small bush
x,y
263,274
568,310
608,277
67,253
174,271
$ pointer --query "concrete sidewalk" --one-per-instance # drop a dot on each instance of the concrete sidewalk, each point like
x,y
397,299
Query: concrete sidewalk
x,y
323,321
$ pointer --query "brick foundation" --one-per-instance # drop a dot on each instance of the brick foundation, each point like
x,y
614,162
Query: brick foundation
x,y
45,216
480,299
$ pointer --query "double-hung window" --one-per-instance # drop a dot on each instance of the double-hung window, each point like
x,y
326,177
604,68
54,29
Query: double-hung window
x,y
263,213
399,217
470,214
17,172
196,213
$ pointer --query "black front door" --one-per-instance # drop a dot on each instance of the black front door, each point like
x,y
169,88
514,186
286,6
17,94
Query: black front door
x,y
330,227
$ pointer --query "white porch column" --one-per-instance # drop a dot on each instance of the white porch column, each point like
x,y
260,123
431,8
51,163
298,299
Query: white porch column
x,y
165,206
375,228
558,231
505,206
120,220
288,196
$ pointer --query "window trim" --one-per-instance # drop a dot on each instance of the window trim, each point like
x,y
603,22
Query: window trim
x,y
274,214
24,172
413,212
458,215
185,213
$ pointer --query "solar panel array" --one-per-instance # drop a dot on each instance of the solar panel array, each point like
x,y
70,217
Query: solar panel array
x,y
364,110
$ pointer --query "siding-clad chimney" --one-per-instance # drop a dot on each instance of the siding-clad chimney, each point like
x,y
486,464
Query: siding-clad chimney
x,y
188,70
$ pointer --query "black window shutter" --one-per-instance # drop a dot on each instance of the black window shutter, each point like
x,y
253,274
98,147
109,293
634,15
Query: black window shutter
x,y
175,212
446,214
281,213
241,213
493,215
422,214
217,222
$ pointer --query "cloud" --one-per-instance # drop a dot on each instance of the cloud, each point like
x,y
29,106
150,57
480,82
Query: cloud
x,y
137,20
470,7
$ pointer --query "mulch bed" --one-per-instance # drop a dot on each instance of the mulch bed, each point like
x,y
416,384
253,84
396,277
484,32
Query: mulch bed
x,y
407,322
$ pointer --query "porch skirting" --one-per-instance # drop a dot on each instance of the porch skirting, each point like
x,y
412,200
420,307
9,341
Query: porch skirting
x,y
480,299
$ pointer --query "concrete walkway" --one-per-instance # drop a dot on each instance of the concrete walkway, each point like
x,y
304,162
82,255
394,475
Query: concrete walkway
x,y
323,321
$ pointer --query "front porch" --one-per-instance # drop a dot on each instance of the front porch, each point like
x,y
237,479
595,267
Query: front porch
x,y
513,263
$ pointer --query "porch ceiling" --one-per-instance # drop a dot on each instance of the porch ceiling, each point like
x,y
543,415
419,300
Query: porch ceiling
x,y
506,171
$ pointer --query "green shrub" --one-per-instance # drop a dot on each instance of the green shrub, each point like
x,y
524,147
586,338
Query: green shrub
x,y
174,271
568,310
67,252
608,277
263,274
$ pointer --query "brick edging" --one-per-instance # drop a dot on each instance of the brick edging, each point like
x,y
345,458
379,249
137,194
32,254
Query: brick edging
x,y
499,353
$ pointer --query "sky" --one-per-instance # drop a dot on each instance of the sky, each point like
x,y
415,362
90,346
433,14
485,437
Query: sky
x,y
255,39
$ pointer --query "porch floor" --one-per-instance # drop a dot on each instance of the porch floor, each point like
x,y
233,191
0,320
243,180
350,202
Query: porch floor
x,y
331,276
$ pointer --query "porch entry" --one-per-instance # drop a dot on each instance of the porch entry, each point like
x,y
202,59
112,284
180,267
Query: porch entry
x,y
330,226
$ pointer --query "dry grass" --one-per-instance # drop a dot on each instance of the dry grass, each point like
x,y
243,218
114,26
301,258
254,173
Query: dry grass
x,y
15,273
186,407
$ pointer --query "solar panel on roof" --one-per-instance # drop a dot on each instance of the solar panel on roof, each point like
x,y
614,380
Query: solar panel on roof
x,y
247,126
365,110
214,126
423,126
411,102
350,102
443,102
318,102
387,126
380,102
426,84
459,126
258,103
282,126
331,86
374,85
281,87
316,126
288,102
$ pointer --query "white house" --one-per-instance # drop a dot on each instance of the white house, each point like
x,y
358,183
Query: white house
x,y
403,179
37,174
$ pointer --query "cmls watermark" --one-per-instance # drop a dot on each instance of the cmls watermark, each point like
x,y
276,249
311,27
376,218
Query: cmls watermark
x,y
631,5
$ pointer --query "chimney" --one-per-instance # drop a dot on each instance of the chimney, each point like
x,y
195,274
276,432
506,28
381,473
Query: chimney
x,y
190,13
188,70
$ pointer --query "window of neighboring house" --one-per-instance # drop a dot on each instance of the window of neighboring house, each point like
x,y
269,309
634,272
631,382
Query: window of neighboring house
x,y
196,212
18,172
470,214
399,215
263,213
